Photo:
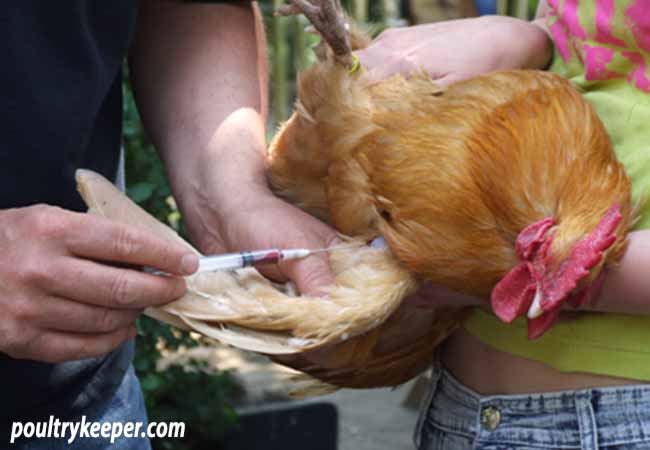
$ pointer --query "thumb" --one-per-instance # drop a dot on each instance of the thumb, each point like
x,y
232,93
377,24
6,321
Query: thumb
x,y
313,274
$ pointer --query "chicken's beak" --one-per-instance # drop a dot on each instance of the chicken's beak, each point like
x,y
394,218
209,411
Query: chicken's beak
x,y
535,309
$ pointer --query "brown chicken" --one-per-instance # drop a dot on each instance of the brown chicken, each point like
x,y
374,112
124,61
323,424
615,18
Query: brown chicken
x,y
504,186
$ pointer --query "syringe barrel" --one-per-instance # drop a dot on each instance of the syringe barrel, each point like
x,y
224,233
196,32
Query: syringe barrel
x,y
232,261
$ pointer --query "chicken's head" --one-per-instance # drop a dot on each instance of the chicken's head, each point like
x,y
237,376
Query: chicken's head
x,y
540,284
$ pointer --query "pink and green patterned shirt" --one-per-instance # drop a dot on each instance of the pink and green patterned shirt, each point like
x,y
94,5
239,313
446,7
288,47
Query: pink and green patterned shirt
x,y
610,39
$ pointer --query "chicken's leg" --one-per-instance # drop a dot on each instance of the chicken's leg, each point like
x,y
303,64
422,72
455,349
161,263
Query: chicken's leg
x,y
328,19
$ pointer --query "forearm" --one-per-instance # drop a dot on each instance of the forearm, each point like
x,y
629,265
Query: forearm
x,y
451,51
199,76
626,288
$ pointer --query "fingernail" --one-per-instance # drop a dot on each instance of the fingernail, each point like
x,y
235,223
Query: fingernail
x,y
189,264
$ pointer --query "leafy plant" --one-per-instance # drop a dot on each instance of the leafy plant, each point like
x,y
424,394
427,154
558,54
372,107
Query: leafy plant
x,y
191,393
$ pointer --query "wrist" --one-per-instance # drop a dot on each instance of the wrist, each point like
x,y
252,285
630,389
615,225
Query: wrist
x,y
219,185
221,192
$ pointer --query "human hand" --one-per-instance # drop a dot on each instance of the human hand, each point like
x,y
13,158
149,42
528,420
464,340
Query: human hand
x,y
258,220
458,49
229,207
60,298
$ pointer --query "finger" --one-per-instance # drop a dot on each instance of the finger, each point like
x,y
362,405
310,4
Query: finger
x,y
312,275
311,279
273,272
56,347
59,314
105,240
112,287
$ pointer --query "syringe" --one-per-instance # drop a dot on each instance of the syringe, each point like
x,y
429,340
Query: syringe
x,y
239,260
233,261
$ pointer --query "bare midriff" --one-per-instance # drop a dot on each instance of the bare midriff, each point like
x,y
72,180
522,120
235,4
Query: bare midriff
x,y
488,371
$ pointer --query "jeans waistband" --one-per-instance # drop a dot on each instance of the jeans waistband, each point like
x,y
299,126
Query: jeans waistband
x,y
586,418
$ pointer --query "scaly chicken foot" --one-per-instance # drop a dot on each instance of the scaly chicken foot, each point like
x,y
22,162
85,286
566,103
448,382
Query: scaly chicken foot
x,y
327,17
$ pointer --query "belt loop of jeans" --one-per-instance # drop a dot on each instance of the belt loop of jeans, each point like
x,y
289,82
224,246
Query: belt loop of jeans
x,y
586,420
425,405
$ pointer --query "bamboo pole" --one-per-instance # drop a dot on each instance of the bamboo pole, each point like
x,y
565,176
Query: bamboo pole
x,y
391,12
502,7
280,63
299,43
520,9
360,10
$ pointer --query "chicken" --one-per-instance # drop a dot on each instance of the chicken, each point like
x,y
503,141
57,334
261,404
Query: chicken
x,y
505,186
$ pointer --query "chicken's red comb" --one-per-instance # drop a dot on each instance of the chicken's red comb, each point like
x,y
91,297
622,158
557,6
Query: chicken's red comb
x,y
586,254
532,237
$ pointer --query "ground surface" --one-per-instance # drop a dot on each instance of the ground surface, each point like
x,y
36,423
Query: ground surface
x,y
372,419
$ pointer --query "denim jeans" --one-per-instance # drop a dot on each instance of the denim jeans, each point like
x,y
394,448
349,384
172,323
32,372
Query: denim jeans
x,y
455,418
126,404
